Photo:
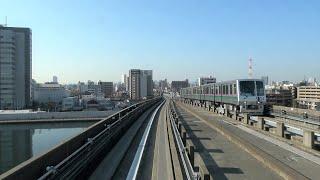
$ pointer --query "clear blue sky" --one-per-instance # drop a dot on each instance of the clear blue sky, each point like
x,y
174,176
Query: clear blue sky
x,y
100,40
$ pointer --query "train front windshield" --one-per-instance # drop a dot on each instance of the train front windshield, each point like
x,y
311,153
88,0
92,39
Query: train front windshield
x,y
247,88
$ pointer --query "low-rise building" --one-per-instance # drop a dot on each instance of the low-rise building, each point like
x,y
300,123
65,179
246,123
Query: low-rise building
x,y
50,93
206,80
71,104
91,102
280,97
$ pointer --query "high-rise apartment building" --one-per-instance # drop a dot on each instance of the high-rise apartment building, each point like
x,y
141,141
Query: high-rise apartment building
x,y
134,83
15,67
106,88
146,83
140,83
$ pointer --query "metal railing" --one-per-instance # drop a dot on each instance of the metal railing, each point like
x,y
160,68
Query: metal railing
x,y
188,168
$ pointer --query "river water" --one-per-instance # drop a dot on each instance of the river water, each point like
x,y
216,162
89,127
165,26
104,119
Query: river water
x,y
20,142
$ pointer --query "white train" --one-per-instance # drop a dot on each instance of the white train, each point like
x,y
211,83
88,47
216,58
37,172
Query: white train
x,y
237,96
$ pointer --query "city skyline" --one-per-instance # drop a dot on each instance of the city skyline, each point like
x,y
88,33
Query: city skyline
x,y
101,41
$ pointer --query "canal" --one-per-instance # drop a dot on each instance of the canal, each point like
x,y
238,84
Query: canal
x,y
20,142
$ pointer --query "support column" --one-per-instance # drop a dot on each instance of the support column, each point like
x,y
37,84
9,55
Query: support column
x,y
308,138
280,129
245,119
191,155
261,123
234,116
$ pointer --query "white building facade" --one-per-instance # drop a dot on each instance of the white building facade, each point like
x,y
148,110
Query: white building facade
x,y
50,93
206,80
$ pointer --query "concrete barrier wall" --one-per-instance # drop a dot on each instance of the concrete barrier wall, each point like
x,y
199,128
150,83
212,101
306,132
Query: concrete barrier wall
x,y
297,110
56,115
36,166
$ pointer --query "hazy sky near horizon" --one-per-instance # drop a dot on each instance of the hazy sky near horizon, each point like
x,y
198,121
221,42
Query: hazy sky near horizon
x,y
100,40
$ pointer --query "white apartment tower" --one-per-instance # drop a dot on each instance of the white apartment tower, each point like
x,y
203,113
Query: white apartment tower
x,y
15,67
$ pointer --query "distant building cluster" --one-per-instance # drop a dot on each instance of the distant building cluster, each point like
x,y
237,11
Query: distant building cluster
x,y
305,94
56,97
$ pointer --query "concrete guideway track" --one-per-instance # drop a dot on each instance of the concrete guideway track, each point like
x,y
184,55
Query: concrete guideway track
x,y
294,163
138,156
147,156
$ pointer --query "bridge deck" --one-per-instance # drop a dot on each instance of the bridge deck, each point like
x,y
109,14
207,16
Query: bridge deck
x,y
298,163
224,159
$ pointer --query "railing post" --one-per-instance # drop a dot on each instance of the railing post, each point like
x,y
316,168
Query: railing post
x,y
191,155
308,138
184,138
179,127
280,129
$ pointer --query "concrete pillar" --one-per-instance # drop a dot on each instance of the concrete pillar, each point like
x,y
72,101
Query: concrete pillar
x,y
234,116
280,129
245,119
308,138
261,123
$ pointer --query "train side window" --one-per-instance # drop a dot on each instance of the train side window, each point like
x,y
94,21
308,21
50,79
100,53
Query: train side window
x,y
227,89
231,90
224,90
234,89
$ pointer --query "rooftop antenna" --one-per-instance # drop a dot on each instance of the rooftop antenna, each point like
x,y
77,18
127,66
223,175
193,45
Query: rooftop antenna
x,y
250,72
6,22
